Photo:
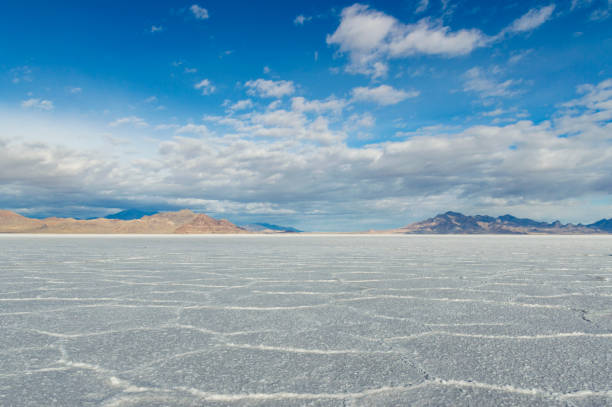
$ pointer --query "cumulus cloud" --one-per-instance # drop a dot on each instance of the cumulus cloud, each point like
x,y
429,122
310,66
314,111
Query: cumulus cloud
x,y
360,124
269,88
156,28
284,159
130,120
205,86
195,129
475,163
306,121
36,103
383,95
199,12
330,104
241,105
370,37
166,126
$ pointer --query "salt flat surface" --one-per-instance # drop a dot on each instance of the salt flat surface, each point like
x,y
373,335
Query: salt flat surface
x,y
305,320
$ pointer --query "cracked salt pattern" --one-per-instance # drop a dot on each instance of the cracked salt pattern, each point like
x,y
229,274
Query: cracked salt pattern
x,y
305,320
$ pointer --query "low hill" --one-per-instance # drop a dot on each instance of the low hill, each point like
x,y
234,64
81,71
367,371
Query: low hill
x,y
184,221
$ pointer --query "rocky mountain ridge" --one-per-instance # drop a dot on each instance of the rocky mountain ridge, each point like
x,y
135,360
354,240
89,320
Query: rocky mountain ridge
x,y
458,223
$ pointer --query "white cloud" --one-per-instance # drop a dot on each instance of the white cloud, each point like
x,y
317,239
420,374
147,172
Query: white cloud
x,y
199,12
225,206
199,130
360,122
131,120
75,90
270,88
242,105
151,99
156,28
369,37
301,19
274,105
205,86
428,37
422,6
475,80
383,95
519,56
531,20
190,70
494,113
290,161
266,69
35,103
166,126
305,121
330,104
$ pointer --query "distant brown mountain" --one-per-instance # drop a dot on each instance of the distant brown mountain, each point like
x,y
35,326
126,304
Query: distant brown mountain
x,y
458,223
181,222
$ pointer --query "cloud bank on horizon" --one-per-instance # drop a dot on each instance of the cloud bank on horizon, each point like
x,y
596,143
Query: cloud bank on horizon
x,y
368,115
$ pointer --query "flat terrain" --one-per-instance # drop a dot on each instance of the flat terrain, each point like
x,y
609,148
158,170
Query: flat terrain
x,y
305,320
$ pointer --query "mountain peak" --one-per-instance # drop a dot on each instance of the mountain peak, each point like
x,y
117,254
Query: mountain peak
x,y
451,213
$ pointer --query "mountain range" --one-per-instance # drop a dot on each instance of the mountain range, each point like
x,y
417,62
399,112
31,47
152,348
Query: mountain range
x,y
458,223
188,222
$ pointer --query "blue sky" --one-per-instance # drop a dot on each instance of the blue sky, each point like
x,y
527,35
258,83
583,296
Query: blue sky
x,y
325,116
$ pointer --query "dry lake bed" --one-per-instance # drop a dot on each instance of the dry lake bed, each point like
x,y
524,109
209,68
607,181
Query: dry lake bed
x,y
305,320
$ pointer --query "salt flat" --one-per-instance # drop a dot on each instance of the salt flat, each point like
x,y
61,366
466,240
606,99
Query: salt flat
x,y
305,320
